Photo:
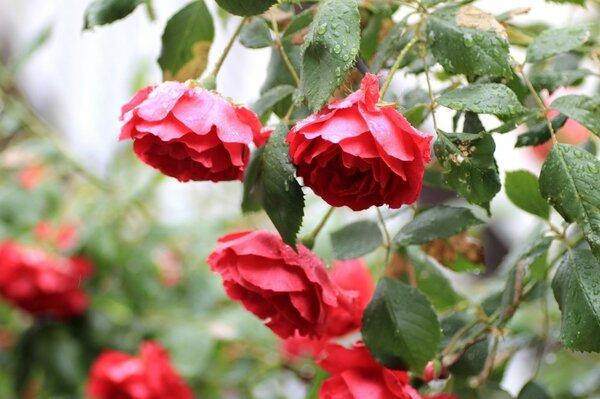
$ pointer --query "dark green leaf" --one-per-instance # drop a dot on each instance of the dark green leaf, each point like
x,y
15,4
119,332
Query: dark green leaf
x,y
523,189
569,181
467,50
252,183
270,98
298,23
278,74
400,327
330,49
472,123
391,43
469,165
472,361
101,12
283,198
256,34
435,223
483,98
583,109
186,42
356,239
576,288
556,41
512,123
416,115
540,133
533,390
246,7
370,36
554,79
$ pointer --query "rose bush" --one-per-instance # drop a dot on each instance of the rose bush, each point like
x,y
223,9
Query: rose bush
x,y
42,284
147,376
357,153
189,133
291,290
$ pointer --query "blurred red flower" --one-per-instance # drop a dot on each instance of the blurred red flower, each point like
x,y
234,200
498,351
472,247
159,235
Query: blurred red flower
x,y
117,375
189,133
42,284
64,237
359,154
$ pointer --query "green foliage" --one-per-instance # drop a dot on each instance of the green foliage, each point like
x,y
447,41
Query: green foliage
x,y
484,98
356,239
186,42
439,222
270,98
101,12
330,49
533,390
556,41
246,7
523,189
540,133
256,34
583,109
400,327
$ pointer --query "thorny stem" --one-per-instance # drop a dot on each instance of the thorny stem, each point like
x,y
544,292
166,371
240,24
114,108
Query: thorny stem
x,y
397,64
309,239
388,241
284,55
223,56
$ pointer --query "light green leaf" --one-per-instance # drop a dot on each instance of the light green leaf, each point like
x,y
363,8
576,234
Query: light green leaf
x,y
523,189
461,48
256,34
283,199
400,327
101,12
435,223
186,42
469,165
552,42
483,98
245,7
576,289
356,239
583,109
330,49
270,98
569,181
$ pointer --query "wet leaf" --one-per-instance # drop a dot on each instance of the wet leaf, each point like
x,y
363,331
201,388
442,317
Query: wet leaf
x,y
583,109
246,7
356,239
557,41
256,34
483,98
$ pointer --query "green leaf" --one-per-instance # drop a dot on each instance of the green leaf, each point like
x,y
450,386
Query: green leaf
x,y
523,189
533,390
278,74
552,42
469,165
390,44
569,181
356,239
251,198
553,79
435,223
431,281
283,199
245,7
473,360
101,12
583,109
416,115
270,98
400,327
578,2
540,133
256,34
483,98
297,23
576,289
460,48
370,36
186,42
330,49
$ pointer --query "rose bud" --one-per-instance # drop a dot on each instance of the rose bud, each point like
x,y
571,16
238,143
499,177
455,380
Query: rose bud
x,y
189,133
290,290
356,375
359,154
42,284
148,376
435,370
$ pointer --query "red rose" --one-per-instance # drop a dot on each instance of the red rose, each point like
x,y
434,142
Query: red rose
x,y
262,138
441,396
149,376
356,375
42,284
359,154
291,291
64,237
189,133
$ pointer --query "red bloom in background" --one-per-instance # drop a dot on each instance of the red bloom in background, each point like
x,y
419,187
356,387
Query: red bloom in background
x,y
42,284
117,375
64,237
356,375
358,154
189,133
291,291
352,276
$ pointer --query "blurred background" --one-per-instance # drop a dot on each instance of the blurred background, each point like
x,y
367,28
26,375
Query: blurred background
x,y
61,164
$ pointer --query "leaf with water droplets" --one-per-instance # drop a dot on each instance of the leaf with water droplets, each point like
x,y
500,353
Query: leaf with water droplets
x,y
576,287
552,42
483,98
465,49
256,34
469,165
540,132
583,109
399,326
356,239
246,7
569,182
330,49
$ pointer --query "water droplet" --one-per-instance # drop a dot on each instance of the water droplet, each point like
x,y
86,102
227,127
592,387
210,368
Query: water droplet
x,y
468,40
337,49
338,71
